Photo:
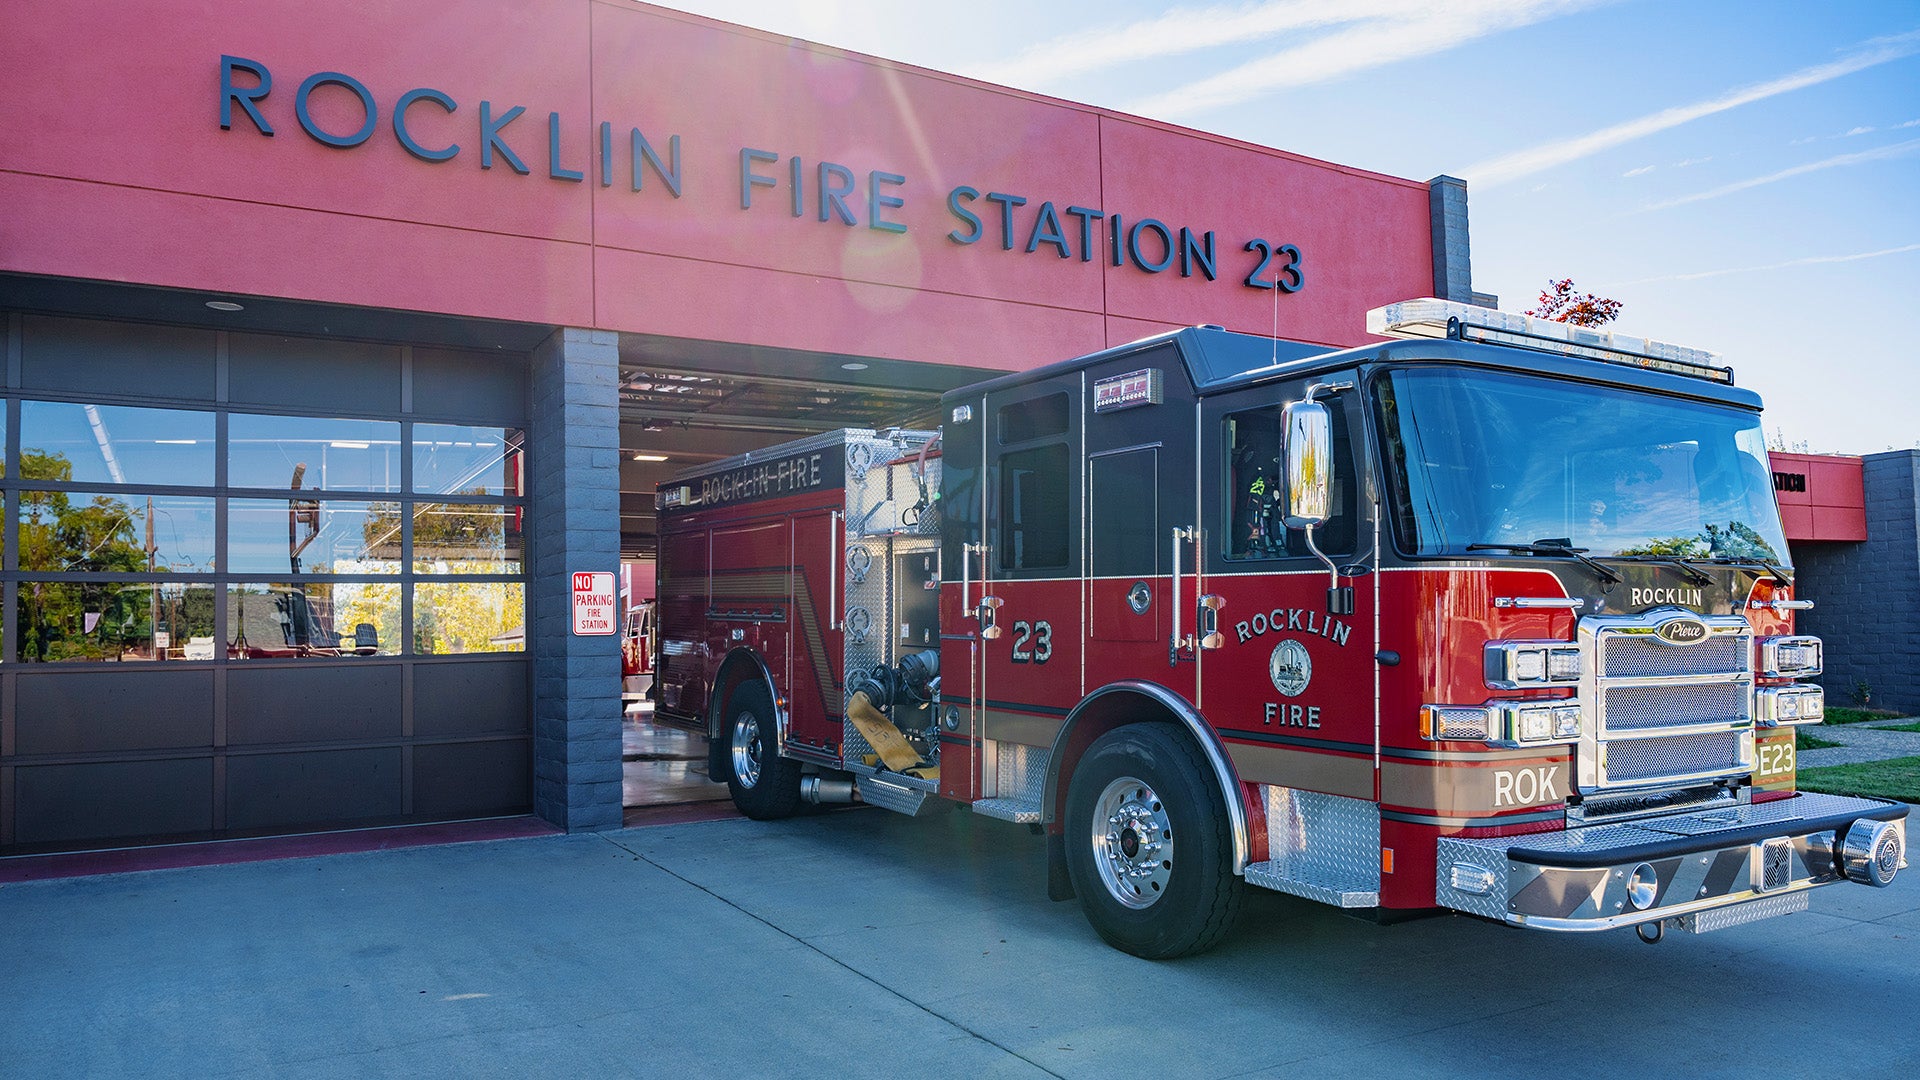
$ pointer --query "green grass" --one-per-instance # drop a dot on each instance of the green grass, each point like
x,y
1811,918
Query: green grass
x,y
1806,740
1840,714
1915,726
1897,779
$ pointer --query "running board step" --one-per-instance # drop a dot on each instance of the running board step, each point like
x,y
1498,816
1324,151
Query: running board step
x,y
1327,889
898,797
1015,810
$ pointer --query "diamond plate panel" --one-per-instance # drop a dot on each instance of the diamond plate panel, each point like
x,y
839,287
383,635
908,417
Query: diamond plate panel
x,y
880,523
1703,922
1321,846
1019,778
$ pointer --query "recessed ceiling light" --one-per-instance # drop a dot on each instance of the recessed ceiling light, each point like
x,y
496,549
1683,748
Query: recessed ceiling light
x,y
225,305
649,457
853,367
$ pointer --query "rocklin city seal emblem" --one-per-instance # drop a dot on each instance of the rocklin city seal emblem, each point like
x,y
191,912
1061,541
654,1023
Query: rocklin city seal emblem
x,y
1290,668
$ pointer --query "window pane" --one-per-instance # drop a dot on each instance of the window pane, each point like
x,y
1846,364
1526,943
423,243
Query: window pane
x,y
115,444
316,619
115,622
1123,510
1257,496
117,534
450,459
1483,457
1034,419
466,538
1033,508
327,455
313,536
469,617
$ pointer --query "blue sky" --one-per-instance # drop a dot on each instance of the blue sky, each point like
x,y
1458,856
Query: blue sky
x,y
1744,176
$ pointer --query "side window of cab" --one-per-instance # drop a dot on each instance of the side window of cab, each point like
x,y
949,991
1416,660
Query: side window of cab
x,y
1256,488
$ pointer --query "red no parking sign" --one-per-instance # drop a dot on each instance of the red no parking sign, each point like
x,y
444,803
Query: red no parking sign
x,y
594,601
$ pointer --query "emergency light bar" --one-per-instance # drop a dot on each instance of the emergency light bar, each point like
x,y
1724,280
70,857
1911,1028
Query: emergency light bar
x,y
1430,318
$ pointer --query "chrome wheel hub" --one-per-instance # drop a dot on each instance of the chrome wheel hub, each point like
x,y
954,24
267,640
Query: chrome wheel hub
x,y
745,748
1132,842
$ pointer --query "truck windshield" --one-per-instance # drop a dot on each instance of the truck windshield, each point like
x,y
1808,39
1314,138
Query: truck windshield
x,y
1483,457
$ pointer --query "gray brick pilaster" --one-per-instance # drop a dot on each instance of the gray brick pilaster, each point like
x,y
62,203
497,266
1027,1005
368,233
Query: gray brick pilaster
x,y
1865,593
1452,254
574,459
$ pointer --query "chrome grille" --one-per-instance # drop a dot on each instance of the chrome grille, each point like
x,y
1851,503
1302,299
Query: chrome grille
x,y
1636,760
1630,708
1639,656
1660,714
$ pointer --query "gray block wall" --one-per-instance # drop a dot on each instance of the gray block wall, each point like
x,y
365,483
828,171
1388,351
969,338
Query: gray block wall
x,y
1867,595
574,468
1452,253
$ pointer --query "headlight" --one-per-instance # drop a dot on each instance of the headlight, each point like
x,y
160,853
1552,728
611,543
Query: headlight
x,y
1790,657
1785,706
1534,724
1518,665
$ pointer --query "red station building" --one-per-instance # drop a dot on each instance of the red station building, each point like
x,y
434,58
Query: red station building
x,y
341,335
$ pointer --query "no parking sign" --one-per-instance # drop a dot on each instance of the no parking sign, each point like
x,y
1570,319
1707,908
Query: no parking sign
x,y
594,600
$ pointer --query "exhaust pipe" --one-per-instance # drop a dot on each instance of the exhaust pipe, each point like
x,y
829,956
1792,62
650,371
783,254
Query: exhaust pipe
x,y
822,789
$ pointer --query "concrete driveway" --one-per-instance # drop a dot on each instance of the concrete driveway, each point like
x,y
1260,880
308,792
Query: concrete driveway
x,y
859,944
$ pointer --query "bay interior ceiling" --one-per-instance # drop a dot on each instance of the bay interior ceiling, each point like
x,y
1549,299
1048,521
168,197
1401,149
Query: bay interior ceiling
x,y
684,403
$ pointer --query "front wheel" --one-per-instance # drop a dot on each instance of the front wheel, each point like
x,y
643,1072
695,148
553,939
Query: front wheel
x,y
763,784
1148,845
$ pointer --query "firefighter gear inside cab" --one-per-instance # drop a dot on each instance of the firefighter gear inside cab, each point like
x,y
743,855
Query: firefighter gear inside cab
x,y
1493,618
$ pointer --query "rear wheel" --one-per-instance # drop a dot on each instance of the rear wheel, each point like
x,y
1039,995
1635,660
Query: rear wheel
x,y
763,784
1148,845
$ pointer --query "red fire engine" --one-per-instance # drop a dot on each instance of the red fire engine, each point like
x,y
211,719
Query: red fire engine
x,y
1495,618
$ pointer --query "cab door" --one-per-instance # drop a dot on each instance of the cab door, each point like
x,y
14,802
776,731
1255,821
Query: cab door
x,y
1033,569
1292,681
1142,507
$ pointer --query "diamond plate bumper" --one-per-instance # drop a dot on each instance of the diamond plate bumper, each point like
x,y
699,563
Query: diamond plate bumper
x,y
1606,876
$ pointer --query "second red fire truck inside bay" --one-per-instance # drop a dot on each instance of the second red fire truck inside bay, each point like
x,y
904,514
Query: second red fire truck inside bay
x,y
1494,618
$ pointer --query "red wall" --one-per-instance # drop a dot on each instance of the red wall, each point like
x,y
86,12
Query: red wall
x,y
1834,504
114,166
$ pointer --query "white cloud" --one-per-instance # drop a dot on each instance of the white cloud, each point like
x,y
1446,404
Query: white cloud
x,y
1692,161
1813,260
1641,171
1908,124
1178,31
1859,131
1408,31
1881,154
1496,171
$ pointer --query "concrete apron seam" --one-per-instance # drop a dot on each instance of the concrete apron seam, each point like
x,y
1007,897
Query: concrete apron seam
x,y
830,958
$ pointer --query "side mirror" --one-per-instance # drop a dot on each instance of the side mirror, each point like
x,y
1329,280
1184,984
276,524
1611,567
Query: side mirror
x,y
1308,454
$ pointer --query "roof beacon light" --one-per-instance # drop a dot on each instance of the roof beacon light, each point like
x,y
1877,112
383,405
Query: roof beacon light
x,y
1430,318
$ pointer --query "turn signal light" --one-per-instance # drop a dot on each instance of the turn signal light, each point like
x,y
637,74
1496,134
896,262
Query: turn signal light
x,y
1509,724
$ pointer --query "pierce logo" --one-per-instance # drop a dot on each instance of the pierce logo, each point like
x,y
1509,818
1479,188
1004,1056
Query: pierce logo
x,y
1681,631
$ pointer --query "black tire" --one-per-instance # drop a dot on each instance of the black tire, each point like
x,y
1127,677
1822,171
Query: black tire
x,y
1159,882
764,785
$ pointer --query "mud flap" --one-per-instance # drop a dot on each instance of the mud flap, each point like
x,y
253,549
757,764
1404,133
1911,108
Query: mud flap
x,y
1059,884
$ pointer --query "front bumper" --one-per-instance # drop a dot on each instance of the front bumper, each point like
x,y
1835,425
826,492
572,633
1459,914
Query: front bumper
x,y
1677,866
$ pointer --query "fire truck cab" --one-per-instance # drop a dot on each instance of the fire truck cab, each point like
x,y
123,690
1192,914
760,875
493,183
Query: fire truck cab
x,y
1494,618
